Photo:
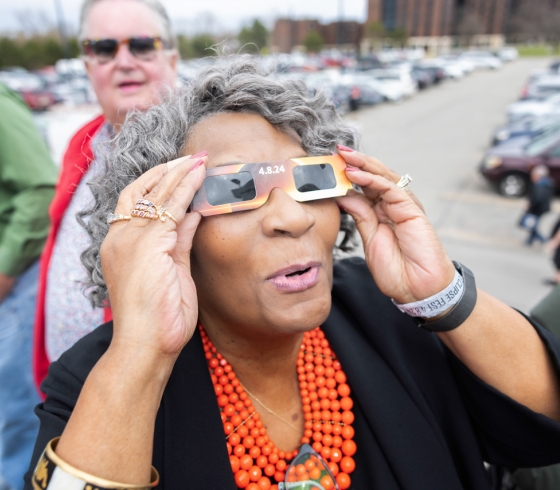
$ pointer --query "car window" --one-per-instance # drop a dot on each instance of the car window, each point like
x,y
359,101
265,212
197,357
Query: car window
x,y
541,143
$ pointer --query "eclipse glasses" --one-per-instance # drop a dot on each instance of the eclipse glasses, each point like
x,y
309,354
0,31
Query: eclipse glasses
x,y
243,187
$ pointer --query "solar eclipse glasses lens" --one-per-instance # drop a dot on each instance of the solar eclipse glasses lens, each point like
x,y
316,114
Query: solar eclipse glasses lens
x,y
242,187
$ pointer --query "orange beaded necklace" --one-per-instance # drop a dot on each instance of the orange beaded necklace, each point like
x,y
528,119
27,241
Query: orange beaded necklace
x,y
257,464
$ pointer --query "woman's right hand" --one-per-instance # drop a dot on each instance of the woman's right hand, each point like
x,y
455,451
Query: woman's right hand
x,y
146,263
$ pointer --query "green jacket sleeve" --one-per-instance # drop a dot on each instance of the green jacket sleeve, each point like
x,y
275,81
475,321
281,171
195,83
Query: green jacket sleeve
x,y
27,179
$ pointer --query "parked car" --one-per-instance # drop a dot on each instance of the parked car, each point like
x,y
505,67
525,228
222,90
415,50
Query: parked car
x,y
31,88
507,53
395,77
508,166
542,87
362,94
482,59
529,126
529,107
392,92
364,63
423,78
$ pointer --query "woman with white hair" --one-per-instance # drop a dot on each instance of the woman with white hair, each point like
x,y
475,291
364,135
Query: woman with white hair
x,y
242,355
130,56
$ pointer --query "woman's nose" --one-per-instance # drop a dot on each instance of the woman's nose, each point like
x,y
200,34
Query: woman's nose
x,y
284,216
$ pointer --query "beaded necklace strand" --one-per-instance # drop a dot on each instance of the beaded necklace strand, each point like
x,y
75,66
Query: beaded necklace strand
x,y
257,464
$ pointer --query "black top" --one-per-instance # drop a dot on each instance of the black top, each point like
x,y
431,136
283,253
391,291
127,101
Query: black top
x,y
541,196
423,421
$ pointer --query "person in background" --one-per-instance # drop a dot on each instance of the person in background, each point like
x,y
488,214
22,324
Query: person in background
x,y
130,55
540,197
27,179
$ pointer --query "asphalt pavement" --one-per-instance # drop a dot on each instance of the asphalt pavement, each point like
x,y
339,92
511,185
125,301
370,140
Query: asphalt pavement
x,y
439,137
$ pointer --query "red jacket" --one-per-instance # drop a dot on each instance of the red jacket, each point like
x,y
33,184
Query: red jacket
x,y
75,163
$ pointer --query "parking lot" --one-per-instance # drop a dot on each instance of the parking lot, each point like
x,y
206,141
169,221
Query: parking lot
x,y
439,137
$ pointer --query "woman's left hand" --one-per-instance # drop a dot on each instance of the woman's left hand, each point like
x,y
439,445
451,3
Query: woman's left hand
x,y
403,252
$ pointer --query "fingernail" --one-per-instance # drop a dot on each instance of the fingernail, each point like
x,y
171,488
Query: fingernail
x,y
352,169
197,164
200,154
344,148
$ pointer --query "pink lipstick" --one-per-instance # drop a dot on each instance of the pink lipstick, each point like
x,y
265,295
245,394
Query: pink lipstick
x,y
296,278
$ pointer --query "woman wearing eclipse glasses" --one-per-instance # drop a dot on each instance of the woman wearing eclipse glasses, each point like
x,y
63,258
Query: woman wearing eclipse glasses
x,y
129,52
241,356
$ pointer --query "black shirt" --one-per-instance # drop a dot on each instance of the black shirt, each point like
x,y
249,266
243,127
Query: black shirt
x,y
423,421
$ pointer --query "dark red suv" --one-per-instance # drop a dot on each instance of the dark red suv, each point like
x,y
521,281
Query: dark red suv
x,y
508,165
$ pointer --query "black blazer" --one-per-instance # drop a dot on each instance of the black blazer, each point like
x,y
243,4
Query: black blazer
x,y
423,420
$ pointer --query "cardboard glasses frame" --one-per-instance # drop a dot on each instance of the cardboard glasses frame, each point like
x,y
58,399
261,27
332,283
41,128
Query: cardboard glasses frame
x,y
243,187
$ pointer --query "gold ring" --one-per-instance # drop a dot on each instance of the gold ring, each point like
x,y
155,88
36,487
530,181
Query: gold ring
x,y
149,210
113,218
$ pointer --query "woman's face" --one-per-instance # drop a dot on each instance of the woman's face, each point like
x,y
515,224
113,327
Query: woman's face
x,y
268,270
127,82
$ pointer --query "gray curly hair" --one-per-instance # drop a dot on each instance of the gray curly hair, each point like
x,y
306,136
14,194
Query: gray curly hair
x,y
234,84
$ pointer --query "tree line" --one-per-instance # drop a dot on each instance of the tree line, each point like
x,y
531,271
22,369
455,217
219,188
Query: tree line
x,y
40,50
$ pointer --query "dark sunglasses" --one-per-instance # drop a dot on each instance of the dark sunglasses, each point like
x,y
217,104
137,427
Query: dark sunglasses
x,y
104,50
243,187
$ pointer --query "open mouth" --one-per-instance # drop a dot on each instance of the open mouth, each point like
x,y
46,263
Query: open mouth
x,y
129,85
298,273
296,278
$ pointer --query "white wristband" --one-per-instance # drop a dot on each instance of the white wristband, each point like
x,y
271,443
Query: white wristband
x,y
438,303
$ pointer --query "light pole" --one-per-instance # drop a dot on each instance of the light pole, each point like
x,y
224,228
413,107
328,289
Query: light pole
x,y
61,29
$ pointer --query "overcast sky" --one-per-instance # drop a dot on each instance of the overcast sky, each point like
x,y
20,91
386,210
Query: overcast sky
x,y
189,16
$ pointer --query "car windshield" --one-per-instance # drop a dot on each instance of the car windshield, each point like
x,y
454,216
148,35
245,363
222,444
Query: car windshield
x,y
542,142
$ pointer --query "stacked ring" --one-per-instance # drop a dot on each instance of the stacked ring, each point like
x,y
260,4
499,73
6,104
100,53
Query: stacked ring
x,y
113,218
149,210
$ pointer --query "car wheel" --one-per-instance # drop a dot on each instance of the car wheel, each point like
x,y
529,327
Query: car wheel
x,y
513,185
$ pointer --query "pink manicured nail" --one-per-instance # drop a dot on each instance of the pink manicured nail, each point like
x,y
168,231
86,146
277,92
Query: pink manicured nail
x,y
351,169
344,148
200,154
197,164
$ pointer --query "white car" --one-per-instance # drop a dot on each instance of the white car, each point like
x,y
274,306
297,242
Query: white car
x,y
452,67
482,59
395,78
542,88
393,92
547,107
508,53
464,64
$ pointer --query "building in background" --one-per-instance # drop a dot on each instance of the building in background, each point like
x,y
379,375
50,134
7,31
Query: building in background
x,y
416,17
438,25
289,34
